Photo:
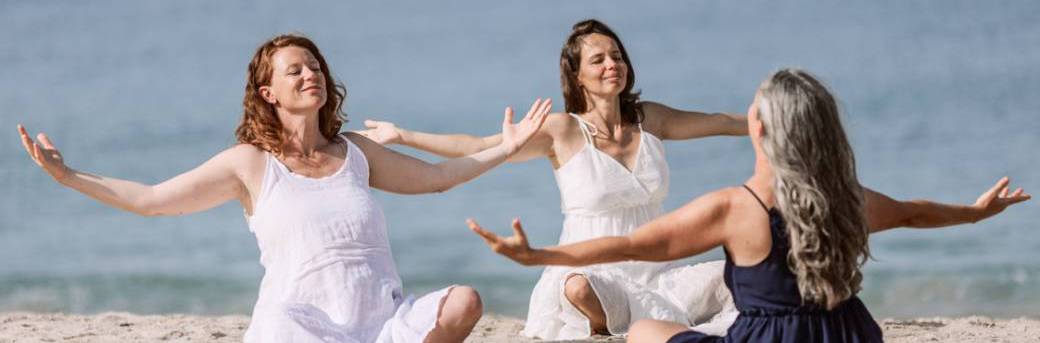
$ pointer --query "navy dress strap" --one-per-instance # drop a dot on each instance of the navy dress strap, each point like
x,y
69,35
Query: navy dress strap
x,y
764,207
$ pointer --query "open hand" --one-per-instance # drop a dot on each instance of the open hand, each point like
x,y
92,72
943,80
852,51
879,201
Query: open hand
x,y
44,154
515,247
382,132
514,136
996,199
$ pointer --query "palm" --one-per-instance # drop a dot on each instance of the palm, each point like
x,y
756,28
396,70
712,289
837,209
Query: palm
x,y
44,154
382,132
516,135
514,247
998,198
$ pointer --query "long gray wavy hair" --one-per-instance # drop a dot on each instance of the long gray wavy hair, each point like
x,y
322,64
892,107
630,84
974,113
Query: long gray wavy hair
x,y
816,188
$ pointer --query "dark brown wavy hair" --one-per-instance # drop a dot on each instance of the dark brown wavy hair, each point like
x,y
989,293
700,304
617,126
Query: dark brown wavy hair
x,y
260,126
570,63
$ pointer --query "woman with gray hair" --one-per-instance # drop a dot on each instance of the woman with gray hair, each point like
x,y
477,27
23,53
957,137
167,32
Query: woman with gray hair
x,y
795,235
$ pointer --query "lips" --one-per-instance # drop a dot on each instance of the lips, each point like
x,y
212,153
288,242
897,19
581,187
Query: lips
x,y
314,87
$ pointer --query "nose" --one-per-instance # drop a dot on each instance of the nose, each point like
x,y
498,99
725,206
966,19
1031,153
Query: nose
x,y
309,74
611,63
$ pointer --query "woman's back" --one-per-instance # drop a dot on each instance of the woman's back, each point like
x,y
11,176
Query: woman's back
x,y
770,304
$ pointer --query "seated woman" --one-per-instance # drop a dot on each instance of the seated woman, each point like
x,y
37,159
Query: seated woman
x,y
795,235
305,188
607,155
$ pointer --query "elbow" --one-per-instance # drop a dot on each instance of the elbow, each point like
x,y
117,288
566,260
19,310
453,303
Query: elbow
x,y
146,211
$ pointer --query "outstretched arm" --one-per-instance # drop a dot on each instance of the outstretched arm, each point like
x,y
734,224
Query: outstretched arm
x,y
399,173
453,145
884,213
693,229
674,124
444,145
212,183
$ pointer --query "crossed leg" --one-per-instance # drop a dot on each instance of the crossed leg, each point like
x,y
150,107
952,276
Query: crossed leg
x,y
580,293
458,314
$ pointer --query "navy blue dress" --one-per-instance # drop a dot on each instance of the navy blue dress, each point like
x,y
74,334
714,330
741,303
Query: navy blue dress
x,y
771,308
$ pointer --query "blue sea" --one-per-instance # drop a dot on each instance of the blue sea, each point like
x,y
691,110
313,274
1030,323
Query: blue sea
x,y
940,99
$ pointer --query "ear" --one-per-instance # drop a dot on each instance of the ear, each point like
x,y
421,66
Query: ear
x,y
265,92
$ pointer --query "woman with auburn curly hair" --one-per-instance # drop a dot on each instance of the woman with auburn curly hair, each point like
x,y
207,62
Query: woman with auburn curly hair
x,y
608,159
305,189
795,235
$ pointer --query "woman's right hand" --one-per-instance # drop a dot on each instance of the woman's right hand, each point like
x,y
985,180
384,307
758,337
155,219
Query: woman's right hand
x,y
515,248
382,132
45,154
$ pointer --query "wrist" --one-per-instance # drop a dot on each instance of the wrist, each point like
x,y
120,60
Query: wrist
x,y
975,213
65,177
530,257
404,137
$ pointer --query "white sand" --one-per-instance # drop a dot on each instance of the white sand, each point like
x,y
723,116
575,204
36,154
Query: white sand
x,y
126,327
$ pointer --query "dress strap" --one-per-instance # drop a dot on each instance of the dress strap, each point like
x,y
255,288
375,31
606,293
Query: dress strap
x,y
757,198
587,130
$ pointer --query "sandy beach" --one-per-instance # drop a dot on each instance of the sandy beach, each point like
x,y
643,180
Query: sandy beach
x,y
126,327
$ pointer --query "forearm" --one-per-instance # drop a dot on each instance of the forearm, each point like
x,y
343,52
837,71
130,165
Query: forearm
x,y
451,146
929,214
595,251
126,195
736,124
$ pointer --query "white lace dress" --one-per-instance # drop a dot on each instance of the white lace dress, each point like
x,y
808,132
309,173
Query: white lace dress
x,y
600,197
329,275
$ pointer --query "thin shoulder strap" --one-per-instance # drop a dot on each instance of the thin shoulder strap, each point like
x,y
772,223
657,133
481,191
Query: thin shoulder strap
x,y
757,198
587,129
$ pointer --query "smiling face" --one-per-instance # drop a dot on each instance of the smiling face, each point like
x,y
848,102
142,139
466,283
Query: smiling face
x,y
603,70
297,82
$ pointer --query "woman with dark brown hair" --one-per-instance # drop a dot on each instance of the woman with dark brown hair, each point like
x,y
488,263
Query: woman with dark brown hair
x,y
608,159
795,234
305,190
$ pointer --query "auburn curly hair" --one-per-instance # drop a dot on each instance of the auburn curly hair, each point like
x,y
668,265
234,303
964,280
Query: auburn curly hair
x,y
260,126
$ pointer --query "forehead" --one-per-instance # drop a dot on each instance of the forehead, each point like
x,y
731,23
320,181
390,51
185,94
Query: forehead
x,y
595,43
291,55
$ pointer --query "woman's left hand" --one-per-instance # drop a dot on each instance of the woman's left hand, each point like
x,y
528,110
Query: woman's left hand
x,y
514,136
996,199
515,247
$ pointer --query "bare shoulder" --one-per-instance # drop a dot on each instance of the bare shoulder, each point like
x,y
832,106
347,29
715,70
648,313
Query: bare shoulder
x,y
558,123
242,153
243,159
653,115
650,107
364,143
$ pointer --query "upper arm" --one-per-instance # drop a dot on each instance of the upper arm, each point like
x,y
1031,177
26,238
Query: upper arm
x,y
210,184
690,230
674,124
883,212
395,172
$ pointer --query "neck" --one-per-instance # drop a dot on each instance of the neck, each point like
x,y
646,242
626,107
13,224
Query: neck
x,y
763,178
302,134
606,109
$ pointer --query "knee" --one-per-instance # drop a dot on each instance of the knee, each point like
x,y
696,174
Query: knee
x,y
578,290
465,301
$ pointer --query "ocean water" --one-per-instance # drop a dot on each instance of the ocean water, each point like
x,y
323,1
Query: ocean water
x,y
940,99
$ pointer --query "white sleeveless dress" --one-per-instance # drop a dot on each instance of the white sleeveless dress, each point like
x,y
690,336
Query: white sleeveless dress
x,y
329,274
600,197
